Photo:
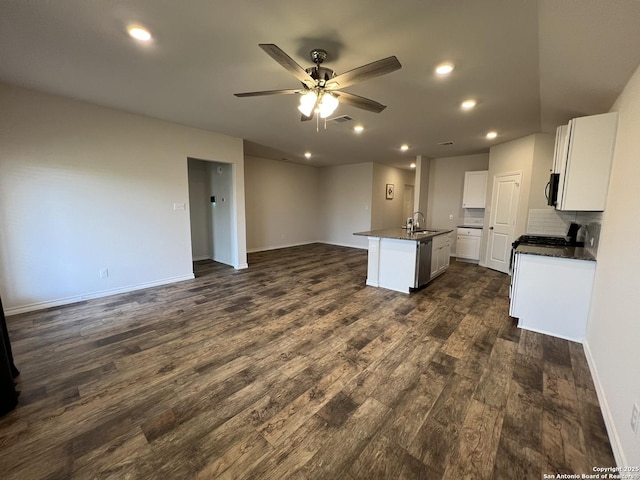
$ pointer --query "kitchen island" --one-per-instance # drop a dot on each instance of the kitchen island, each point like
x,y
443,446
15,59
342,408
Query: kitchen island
x,y
402,260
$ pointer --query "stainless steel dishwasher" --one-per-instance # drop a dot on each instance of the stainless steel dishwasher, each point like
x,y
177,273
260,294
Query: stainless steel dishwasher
x,y
423,262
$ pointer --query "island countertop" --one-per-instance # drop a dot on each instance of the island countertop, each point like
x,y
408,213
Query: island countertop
x,y
403,234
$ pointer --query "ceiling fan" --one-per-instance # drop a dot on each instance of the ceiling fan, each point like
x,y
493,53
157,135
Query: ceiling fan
x,y
321,88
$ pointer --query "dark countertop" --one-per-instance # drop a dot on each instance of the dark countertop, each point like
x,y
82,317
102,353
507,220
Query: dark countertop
x,y
479,227
403,234
574,253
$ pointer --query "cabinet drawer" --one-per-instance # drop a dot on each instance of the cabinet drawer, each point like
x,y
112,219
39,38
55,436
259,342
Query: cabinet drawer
x,y
443,239
472,232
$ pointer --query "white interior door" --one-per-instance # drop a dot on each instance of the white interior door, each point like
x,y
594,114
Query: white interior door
x,y
504,213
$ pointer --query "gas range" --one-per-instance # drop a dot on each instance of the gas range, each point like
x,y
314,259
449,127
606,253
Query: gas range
x,y
541,240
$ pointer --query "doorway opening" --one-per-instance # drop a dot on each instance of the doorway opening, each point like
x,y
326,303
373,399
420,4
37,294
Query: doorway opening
x,y
210,210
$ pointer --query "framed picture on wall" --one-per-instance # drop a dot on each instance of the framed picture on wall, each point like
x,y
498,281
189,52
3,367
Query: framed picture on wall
x,y
389,191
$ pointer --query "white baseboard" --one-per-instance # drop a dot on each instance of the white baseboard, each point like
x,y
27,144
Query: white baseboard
x,y
277,247
200,258
465,260
349,245
288,245
551,334
614,439
88,296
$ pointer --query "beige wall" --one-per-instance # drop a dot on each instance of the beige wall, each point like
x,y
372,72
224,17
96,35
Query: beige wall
x,y
511,157
446,185
614,326
345,199
541,168
85,188
283,203
388,213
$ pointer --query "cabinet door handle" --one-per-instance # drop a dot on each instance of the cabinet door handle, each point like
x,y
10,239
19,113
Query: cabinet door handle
x,y
490,228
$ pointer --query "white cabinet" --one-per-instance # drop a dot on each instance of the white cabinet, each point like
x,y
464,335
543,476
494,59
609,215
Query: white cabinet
x,y
468,243
552,295
440,254
475,189
583,156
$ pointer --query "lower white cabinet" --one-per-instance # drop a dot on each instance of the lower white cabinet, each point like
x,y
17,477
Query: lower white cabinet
x,y
468,243
552,295
440,254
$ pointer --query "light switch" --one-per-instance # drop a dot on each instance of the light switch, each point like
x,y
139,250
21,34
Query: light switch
x,y
179,206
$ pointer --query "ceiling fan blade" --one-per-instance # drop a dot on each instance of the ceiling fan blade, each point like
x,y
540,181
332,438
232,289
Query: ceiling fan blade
x,y
288,63
365,72
359,102
267,92
304,118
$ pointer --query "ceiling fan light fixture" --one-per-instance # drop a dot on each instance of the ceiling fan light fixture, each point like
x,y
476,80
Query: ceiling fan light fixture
x,y
307,102
328,105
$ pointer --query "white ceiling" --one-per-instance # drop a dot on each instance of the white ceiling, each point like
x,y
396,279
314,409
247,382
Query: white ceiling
x,y
530,64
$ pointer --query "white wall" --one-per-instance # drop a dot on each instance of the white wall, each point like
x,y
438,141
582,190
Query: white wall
x,y
388,213
283,203
84,188
614,326
345,199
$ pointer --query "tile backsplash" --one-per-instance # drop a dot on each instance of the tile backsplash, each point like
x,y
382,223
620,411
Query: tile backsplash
x,y
473,216
553,222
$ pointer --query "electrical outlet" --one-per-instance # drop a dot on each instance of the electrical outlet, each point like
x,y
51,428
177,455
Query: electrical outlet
x,y
635,418
104,272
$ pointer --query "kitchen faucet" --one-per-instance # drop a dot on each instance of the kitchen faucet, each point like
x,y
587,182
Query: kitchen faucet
x,y
416,224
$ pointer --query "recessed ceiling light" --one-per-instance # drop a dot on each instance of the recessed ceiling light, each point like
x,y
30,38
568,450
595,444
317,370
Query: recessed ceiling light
x,y
404,147
444,68
492,135
307,154
468,104
139,33
413,165
358,128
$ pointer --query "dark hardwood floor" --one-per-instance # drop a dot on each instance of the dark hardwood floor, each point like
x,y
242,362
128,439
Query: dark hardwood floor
x,y
294,369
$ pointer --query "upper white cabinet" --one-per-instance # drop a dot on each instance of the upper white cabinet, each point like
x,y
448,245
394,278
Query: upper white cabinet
x,y
583,156
475,189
